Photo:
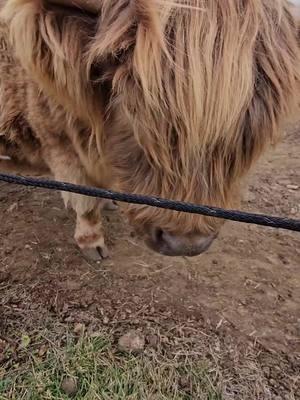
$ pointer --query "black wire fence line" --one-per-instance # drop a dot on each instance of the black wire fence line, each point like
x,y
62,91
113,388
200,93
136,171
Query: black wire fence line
x,y
216,212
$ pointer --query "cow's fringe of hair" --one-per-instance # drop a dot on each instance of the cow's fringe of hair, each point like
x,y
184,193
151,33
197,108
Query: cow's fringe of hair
x,y
206,71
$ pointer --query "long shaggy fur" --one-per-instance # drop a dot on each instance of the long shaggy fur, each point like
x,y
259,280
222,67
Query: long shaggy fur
x,y
179,98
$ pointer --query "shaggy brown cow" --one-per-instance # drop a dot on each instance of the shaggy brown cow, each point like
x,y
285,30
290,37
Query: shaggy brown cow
x,y
170,98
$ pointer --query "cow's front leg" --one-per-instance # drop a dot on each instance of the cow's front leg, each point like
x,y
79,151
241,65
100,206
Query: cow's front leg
x,y
89,234
66,166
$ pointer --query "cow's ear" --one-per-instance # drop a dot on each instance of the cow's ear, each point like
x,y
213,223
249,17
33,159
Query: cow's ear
x,y
51,43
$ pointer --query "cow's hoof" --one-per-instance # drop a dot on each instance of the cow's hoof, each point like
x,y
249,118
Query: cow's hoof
x,y
96,253
110,205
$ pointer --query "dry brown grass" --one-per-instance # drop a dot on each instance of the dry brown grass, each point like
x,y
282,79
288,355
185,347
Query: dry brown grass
x,y
179,361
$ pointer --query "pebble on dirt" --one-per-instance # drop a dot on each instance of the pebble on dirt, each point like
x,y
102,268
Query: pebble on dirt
x,y
69,386
79,328
132,342
292,187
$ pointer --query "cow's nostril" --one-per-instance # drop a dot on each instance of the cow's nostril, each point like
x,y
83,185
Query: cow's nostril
x,y
158,235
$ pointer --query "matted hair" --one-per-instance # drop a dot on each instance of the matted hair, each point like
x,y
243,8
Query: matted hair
x,y
201,87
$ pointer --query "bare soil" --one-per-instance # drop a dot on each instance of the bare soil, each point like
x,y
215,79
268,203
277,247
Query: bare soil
x,y
246,288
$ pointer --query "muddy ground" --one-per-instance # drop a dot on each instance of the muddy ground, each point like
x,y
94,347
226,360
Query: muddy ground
x,y
246,287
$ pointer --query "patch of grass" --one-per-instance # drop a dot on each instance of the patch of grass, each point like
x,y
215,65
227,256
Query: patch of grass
x,y
101,372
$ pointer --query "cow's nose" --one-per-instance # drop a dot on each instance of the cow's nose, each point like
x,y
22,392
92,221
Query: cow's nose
x,y
176,245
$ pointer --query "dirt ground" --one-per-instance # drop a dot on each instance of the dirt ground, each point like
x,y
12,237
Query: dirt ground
x,y
246,287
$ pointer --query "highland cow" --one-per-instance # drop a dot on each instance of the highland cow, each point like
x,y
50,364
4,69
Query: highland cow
x,y
170,98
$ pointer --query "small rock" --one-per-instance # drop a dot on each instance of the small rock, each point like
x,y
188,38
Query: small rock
x,y
42,350
132,342
4,157
136,299
79,328
105,320
69,386
284,181
12,207
292,187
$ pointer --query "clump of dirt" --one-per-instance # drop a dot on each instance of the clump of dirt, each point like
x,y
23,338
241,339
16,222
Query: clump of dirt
x,y
69,386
